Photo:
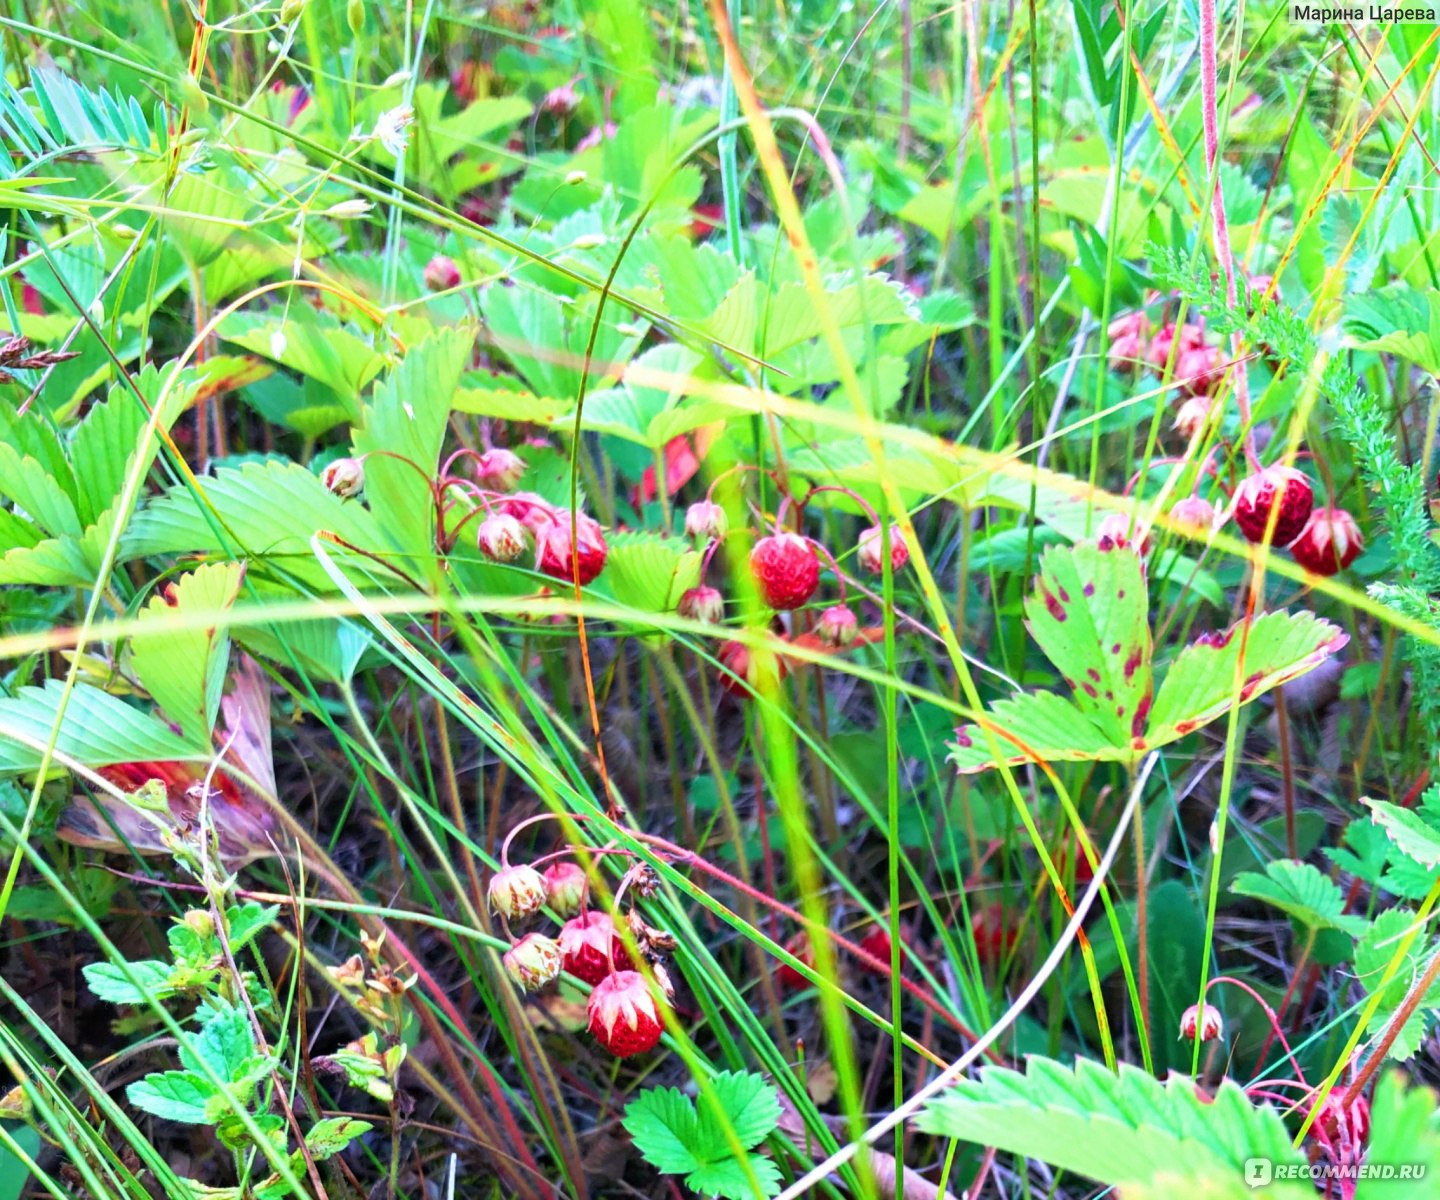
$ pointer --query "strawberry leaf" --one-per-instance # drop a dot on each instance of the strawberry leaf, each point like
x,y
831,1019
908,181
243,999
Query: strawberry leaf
x,y
1034,727
1200,684
1414,837
1303,891
1089,614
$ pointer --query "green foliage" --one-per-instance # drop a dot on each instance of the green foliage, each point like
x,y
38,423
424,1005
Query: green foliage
x,y
1117,1129
1303,892
1089,614
710,1145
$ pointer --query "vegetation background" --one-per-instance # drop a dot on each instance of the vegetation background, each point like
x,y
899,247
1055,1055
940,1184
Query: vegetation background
x,y
737,598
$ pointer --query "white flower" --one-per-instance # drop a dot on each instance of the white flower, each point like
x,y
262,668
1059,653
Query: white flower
x,y
392,130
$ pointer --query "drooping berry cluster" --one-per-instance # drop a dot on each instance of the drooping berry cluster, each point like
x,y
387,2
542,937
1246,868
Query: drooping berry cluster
x,y
624,1008
786,567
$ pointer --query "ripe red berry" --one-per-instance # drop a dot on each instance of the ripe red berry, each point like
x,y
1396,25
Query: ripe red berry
x,y
553,551
743,673
994,931
785,569
1285,490
589,947
870,549
532,511
624,1015
1329,542
877,944
789,979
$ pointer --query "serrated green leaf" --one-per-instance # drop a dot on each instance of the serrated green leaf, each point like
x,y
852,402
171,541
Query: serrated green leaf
x,y
1404,1130
1089,613
730,1179
225,1042
310,343
109,983
184,669
750,1107
664,1126
1399,320
1303,891
1373,954
29,485
403,426
648,571
99,730
272,509
247,921
175,1096
1117,1128
1034,727
1200,684
1412,836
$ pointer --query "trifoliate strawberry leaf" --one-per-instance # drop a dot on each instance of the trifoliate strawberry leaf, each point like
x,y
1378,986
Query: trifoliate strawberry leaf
x,y
183,669
1117,1128
310,343
1089,613
1033,727
1413,836
175,1096
1303,891
677,1139
1373,955
270,511
1399,320
247,921
1200,684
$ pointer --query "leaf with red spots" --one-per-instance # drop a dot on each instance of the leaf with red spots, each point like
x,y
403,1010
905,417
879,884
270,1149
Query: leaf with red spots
x,y
1089,613
1033,727
1201,684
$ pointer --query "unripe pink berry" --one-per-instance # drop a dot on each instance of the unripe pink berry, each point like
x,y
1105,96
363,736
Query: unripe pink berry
x,y
1191,416
517,892
871,546
532,511
501,537
1201,1024
532,962
565,887
785,569
705,521
1117,531
1194,513
441,274
344,476
702,603
837,626
1128,337
624,1014
499,470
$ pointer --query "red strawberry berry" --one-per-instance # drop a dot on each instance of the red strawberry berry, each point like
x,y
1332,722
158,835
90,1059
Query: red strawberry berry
x,y
624,1014
1329,542
876,943
994,931
441,274
1283,489
785,569
743,673
589,947
532,511
553,550
789,979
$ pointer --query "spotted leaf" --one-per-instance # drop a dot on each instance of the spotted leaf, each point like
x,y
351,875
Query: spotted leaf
x,y
1033,727
1201,684
1089,613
